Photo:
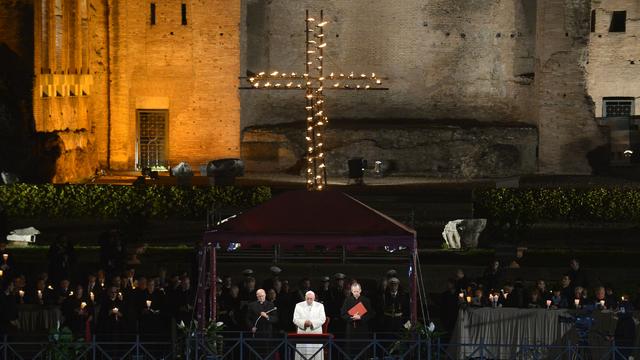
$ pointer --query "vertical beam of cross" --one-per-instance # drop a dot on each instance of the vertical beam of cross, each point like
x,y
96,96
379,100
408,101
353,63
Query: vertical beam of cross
x,y
316,118
313,81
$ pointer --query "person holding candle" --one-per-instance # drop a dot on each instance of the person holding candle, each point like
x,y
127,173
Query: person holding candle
x,y
40,294
578,298
600,298
6,262
150,312
111,317
63,291
478,299
77,313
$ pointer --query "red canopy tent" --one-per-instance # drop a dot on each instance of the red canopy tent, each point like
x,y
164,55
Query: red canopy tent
x,y
310,219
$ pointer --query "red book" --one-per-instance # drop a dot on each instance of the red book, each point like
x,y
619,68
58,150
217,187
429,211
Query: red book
x,y
357,309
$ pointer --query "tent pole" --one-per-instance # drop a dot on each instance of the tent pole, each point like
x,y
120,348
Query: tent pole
x,y
414,287
200,293
213,301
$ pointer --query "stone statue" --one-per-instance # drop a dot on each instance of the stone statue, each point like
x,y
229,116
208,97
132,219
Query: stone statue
x,y
463,233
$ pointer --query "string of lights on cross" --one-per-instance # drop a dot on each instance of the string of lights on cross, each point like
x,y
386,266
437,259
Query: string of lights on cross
x,y
293,81
313,81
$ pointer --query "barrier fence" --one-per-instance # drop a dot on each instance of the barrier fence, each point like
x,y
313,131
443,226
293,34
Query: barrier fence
x,y
240,346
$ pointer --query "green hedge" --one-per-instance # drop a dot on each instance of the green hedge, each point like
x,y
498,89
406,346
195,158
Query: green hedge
x,y
529,206
120,202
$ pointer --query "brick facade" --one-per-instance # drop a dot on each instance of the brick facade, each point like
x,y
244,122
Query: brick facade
x,y
98,62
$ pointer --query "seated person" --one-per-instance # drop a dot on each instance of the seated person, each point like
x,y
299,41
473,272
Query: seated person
x,y
535,300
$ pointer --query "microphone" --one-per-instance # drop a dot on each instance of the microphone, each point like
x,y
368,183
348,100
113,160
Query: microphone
x,y
255,325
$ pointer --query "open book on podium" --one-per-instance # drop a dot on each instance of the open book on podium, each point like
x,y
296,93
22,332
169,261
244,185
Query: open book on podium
x,y
357,309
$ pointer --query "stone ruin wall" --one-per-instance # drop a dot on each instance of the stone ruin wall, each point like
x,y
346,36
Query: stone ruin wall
x,y
505,61
568,131
445,59
614,57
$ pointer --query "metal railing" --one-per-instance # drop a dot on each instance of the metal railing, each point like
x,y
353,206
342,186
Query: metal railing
x,y
240,346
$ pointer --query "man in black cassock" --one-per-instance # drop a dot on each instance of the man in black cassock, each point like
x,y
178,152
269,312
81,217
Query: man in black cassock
x,y
261,316
357,329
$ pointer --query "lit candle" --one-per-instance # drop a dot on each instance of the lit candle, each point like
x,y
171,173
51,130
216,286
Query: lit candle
x,y
39,294
5,257
602,303
83,305
468,299
21,293
92,296
576,302
70,293
548,303
114,310
1,273
50,287
148,303
461,296
622,298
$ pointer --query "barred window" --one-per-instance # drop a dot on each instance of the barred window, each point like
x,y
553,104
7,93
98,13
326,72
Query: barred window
x,y
617,107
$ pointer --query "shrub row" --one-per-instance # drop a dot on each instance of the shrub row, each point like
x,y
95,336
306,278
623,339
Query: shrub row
x,y
601,205
120,202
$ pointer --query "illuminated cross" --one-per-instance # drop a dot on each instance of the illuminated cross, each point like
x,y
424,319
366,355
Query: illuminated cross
x,y
313,81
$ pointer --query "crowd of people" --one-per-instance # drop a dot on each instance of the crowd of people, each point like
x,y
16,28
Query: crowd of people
x,y
111,302
574,290
114,300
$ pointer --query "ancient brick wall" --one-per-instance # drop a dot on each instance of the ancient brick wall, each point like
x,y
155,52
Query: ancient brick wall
x,y
191,70
63,100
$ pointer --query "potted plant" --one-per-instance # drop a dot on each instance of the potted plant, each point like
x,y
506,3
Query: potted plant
x,y
413,332
61,345
212,341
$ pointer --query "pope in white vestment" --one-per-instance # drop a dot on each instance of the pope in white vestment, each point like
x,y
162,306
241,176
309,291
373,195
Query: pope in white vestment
x,y
309,317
